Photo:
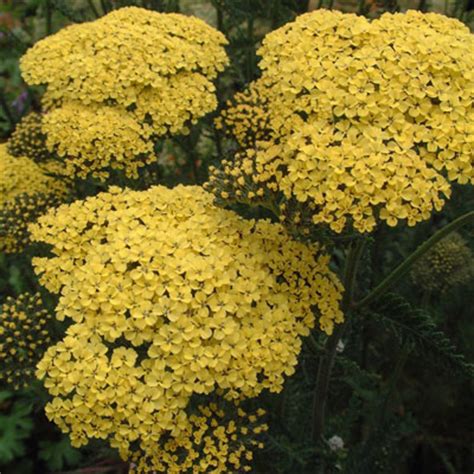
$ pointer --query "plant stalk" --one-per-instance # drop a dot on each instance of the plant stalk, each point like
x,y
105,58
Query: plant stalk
x,y
49,17
360,7
219,16
251,44
406,265
326,361
93,8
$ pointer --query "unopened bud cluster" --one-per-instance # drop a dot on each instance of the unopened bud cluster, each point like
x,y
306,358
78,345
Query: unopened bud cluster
x,y
448,264
24,337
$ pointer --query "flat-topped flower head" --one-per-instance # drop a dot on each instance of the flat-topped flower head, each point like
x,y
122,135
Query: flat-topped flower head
x,y
24,337
26,192
114,57
363,121
172,297
185,257
143,74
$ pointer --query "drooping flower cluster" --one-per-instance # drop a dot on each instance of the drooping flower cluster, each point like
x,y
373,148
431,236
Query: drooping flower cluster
x,y
28,139
118,83
24,337
172,297
26,192
448,264
361,120
208,441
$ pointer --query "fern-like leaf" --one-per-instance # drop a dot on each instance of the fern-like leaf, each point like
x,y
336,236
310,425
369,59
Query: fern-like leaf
x,y
416,327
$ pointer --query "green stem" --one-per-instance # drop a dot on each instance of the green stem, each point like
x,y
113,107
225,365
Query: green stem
x,y
422,6
317,348
406,265
425,299
218,141
93,8
352,263
6,110
397,372
220,16
326,362
325,366
219,94
463,9
104,5
251,44
188,145
49,15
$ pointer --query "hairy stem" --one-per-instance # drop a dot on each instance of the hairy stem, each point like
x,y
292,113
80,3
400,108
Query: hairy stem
x,y
406,265
326,362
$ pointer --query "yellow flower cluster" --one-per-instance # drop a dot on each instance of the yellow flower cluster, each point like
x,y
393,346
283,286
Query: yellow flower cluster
x,y
448,264
246,118
29,139
199,299
128,47
209,442
26,192
98,137
22,175
24,337
116,84
363,120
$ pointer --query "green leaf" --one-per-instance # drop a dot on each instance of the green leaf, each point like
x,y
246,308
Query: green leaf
x,y
416,327
383,449
14,429
5,395
364,384
58,454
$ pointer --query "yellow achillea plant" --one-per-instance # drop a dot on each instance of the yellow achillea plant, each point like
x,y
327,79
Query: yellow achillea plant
x,y
24,337
209,440
118,83
172,296
362,120
26,192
